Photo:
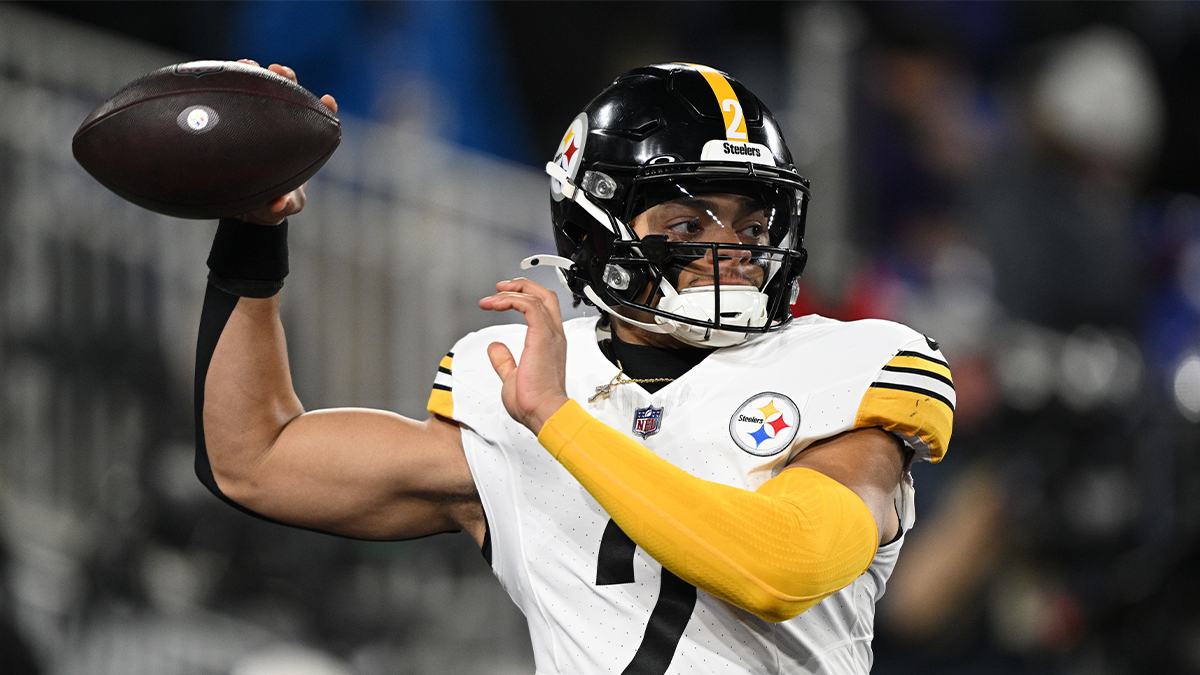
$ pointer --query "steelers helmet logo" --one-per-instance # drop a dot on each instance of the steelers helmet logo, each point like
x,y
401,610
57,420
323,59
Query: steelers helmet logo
x,y
570,151
765,424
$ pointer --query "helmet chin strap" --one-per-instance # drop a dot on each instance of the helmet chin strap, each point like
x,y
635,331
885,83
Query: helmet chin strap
x,y
561,263
689,304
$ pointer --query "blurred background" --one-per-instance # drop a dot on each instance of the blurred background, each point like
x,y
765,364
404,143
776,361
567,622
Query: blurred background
x,y
1019,180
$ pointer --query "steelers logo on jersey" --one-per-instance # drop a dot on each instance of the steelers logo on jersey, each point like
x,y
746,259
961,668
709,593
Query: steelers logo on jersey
x,y
765,424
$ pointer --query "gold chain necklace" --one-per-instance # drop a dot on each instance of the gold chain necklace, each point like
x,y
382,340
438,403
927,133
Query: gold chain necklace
x,y
605,389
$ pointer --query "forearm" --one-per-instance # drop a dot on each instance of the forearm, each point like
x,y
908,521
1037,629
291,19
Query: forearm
x,y
244,395
249,397
363,473
255,447
775,552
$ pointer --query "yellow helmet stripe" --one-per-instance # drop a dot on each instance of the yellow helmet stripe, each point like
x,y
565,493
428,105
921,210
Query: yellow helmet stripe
x,y
731,107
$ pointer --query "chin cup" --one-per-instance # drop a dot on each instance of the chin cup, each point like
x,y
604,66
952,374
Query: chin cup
x,y
740,306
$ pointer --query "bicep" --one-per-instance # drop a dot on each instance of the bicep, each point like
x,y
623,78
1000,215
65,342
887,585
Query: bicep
x,y
868,461
364,473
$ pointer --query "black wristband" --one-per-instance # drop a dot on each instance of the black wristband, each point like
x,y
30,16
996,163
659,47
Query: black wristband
x,y
248,260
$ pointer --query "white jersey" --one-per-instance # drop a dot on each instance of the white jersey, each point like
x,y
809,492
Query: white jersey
x,y
595,602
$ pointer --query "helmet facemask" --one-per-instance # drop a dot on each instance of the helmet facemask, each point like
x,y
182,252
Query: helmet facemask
x,y
710,259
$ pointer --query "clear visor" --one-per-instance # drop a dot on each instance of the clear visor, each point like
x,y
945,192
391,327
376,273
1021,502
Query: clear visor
x,y
715,210
693,233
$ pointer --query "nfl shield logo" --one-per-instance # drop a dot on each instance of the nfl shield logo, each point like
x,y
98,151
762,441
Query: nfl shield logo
x,y
199,68
646,420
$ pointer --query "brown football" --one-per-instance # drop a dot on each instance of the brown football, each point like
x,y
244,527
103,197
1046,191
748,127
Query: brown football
x,y
207,139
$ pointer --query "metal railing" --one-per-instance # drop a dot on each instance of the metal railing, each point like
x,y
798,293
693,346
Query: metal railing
x,y
100,302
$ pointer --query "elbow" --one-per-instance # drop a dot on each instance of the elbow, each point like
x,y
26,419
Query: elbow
x,y
212,477
228,485
239,485
222,477
205,471
782,602
238,489
781,613
790,591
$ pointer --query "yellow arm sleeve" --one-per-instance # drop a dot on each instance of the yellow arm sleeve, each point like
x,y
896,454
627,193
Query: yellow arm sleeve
x,y
774,552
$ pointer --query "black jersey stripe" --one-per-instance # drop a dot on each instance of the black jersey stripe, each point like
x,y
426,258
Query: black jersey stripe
x,y
917,371
444,369
664,630
919,355
915,390
443,387
615,565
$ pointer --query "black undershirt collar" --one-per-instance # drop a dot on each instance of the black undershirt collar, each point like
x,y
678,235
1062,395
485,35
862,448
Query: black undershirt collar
x,y
645,362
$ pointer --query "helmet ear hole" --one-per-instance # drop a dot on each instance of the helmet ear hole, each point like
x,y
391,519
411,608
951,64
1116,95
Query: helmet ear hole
x,y
574,233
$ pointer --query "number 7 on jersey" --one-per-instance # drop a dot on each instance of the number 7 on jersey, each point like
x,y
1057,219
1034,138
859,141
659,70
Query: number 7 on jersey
x,y
671,613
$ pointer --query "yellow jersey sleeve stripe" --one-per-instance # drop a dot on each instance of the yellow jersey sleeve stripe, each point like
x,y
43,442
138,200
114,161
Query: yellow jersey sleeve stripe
x,y
921,362
441,402
911,412
731,107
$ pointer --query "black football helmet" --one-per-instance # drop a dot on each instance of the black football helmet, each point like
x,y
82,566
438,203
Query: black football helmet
x,y
675,132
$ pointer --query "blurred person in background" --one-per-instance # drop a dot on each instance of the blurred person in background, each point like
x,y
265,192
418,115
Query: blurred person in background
x,y
1055,213
1023,239
770,479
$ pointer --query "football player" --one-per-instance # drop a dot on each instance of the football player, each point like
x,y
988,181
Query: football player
x,y
692,481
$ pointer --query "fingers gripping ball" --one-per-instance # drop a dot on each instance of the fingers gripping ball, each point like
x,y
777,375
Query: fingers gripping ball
x,y
207,139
